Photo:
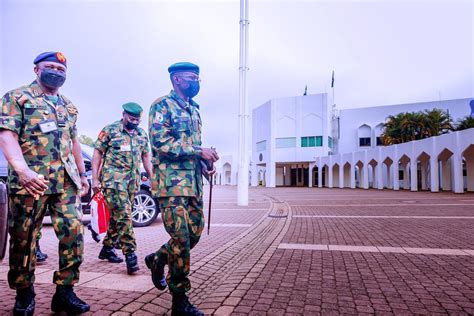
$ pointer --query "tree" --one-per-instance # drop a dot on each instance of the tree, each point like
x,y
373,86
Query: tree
x,y
465,123
86,140
409,126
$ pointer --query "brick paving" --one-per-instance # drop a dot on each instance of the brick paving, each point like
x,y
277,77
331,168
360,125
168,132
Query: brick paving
x,y
299,256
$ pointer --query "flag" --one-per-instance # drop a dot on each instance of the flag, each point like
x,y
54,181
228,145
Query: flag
x,y
332,81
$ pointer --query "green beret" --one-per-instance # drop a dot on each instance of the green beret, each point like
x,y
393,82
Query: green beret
x,y
132,108
183,66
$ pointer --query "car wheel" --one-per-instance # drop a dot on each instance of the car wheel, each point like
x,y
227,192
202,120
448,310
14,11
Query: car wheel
x,y
144,209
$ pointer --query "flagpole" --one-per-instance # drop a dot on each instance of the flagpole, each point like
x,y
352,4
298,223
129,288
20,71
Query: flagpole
x,y
243,167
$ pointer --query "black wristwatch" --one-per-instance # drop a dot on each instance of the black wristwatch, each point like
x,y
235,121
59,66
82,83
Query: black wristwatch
x,y
83,174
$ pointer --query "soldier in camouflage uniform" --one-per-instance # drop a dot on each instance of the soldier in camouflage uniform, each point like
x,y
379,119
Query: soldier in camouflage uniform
x,y
122,146
39,138
175,137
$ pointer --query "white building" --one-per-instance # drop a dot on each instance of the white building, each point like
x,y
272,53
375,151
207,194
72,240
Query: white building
x,y
288,134
299,141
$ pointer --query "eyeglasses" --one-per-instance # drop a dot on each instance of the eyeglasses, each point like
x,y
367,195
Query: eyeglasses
x,y
191,78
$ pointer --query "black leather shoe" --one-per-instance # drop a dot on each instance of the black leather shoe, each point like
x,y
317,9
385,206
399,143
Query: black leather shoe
x,y
65,300
40,256
157,268
108,253
24,302
182,306
132,263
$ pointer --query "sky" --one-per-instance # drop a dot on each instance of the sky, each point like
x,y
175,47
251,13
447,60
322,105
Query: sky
x,y
382,52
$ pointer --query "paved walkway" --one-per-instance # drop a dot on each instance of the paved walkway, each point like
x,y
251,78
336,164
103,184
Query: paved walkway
x,y
298,251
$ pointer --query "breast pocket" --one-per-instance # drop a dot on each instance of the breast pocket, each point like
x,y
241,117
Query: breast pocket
x,y
182,125
34,114
179,178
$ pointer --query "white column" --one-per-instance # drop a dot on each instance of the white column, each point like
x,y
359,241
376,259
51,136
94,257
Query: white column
x,y
320,177
365,176
310,176
396,183
457,178
270,175
379,176
413,175
434,174
353,177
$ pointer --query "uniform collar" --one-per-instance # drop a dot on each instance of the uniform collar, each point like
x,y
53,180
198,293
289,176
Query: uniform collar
x,y
181,102
37,92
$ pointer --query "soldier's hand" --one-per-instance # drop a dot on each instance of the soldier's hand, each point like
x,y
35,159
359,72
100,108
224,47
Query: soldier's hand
x,y
85,186
95,186
32,183
210,173
210,155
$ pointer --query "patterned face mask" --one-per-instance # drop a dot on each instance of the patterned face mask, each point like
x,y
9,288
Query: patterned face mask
x,y
52,78
192,90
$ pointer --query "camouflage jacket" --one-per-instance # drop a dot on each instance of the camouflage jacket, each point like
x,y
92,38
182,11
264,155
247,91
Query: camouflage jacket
x,y
46,152
122,156
175,137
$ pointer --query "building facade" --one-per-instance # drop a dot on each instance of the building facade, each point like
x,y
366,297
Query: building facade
x,y
302,141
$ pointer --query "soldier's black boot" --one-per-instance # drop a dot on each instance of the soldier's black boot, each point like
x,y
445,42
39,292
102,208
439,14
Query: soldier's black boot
x,y
157,268
182,306
24,302
108,253
40,256
132,263
65,300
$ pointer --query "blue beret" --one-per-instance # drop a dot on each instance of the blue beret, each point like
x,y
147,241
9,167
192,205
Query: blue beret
x,y
51,56
183,66
132,108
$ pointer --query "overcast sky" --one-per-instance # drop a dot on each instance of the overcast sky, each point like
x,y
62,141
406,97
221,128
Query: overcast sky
x,y
383,52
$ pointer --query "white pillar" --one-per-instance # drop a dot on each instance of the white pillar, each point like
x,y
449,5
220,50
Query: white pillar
x,y
270,172
320,176
434,174
396,181
413,175
353,177
310,176
379,175
365,176
457,177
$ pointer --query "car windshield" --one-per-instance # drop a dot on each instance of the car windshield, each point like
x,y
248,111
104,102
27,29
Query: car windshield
x,y
88,150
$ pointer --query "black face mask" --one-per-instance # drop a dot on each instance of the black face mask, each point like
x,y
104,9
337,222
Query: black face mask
x,y
192,90
52,79
131,126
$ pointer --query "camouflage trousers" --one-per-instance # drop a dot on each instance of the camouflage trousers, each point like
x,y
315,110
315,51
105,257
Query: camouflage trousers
x,y
183,219
120,225
66,213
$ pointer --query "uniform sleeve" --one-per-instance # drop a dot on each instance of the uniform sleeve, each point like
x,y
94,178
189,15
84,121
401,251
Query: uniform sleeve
x,y
146,148
102,141
161,139
11,116
73,112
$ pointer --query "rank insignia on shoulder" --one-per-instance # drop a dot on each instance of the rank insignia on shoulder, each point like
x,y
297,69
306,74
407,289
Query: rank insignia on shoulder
x,y
71,109
158,118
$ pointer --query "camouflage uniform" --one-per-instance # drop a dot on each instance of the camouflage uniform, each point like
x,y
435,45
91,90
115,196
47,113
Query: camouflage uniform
x,y
120,178
175,137
49,154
